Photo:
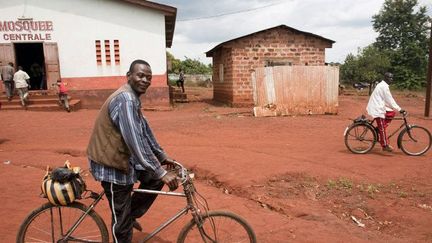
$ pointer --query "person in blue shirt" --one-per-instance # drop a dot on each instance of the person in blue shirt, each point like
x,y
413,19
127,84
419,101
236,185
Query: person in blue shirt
x,y
123,150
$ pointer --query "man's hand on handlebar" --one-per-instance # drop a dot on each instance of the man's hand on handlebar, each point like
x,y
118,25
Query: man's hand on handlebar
x,y
170,179
170,164
403,112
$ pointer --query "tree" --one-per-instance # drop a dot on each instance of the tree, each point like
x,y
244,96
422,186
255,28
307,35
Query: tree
x,y
194,66
173,63
403,37
189,66
368,66
348,69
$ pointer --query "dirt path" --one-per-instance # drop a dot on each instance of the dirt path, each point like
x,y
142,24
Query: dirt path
x,y
291,177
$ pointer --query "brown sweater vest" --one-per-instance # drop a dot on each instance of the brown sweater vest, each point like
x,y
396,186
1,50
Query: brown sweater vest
x,y
107,146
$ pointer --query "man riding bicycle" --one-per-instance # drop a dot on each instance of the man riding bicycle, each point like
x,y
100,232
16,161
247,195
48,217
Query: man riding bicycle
x,y
381,107
123,150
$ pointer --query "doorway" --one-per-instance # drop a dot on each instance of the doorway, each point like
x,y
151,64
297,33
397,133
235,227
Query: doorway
x,y
30,56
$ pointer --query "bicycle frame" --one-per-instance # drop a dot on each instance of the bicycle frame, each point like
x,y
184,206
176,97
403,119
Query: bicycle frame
x,y
165,224
97,197
79,222
170,220
362,134
403,125
188,191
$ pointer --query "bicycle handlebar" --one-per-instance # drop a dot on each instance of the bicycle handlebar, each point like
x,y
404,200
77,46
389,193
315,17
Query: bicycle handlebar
x,y
182,172
403,117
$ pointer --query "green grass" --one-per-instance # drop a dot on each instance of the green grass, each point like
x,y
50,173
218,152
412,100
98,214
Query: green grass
x,y
341,183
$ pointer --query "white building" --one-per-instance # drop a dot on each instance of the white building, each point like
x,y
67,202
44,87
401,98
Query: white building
x,y
89,44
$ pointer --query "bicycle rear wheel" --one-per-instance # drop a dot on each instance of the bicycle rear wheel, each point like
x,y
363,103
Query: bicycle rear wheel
x,y
360,138
50,223
218,226
415,141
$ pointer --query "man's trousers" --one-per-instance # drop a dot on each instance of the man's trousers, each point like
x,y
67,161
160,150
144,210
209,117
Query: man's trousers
x,y
382,124
127,206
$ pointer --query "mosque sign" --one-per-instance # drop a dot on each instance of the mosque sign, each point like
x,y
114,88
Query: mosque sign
x,y
26,30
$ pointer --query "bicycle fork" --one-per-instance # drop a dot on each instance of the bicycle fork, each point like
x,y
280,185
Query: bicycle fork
x,y
409,133
200,225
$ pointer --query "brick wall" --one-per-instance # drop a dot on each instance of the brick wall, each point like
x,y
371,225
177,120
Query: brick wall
x,y
240,57
223,91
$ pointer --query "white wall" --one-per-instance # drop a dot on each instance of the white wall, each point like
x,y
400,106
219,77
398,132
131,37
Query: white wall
x,y
77,24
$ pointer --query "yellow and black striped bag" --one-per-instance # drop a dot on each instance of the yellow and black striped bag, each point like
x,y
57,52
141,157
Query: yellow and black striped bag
x,y
63,185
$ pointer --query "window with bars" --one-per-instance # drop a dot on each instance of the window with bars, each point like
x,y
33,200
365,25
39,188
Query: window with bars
x,y
117,52
107,52
98,52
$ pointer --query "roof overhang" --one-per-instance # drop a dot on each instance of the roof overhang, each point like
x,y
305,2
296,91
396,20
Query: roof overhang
x,y
170,17
210,53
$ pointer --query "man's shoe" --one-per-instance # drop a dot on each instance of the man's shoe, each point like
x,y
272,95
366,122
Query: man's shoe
x,y
388,148
136,225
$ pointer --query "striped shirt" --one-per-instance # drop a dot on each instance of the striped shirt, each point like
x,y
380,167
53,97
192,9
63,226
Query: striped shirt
x,y
146,154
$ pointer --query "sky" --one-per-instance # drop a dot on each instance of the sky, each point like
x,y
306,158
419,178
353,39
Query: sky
x,y
203,24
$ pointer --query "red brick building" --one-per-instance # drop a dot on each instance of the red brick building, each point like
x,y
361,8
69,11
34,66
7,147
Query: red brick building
x,y
236,59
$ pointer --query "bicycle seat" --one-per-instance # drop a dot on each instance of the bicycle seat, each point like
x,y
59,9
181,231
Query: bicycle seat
x,y
361,119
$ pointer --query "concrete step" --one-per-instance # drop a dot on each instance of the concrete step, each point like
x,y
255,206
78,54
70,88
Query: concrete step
x,y
178,97
74,105
31,96
32,101
180,100
38,101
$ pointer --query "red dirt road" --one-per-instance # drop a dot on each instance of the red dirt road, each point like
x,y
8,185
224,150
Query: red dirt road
x,y
291,177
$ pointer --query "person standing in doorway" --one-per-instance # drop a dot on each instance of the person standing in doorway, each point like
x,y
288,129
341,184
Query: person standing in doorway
x,y
123,150
37,75
381,107
7,74
180,81
21,80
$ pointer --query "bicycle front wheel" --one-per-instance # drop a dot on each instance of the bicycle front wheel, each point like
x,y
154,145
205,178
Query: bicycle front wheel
x,y
51,223
360,138
415,141
218,226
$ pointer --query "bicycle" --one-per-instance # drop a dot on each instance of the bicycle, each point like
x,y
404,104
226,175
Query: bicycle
x,y
361,136
77,222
